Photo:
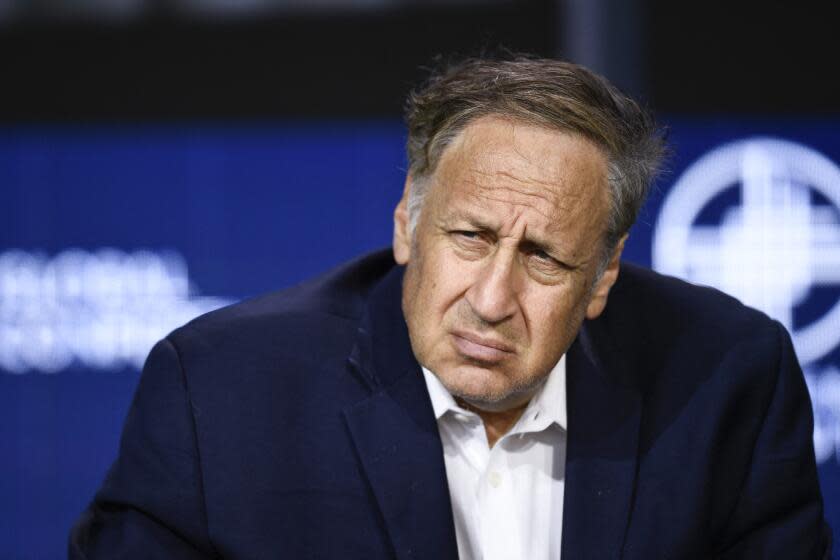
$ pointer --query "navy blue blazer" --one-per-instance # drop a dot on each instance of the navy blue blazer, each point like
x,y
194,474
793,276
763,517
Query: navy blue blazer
x,y
298,425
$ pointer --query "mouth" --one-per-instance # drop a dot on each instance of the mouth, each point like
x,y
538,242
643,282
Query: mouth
x,y
481,348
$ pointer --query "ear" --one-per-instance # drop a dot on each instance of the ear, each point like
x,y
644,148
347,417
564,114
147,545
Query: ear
x,y
402,235
598,298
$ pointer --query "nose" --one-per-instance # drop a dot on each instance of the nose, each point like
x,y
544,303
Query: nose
x,y
493,295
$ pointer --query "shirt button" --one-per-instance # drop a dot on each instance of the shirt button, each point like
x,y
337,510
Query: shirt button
x,y
495,479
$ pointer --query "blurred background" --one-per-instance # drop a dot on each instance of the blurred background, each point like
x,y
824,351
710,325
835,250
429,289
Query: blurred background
x,y
160,158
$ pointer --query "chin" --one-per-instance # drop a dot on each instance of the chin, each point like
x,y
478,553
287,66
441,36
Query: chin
x,y
489,389
486,389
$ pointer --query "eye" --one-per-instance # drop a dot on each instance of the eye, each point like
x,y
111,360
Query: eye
x,y
539,255
542,255
470,243
542,262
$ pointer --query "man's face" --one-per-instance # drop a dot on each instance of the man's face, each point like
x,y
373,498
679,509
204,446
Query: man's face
x,y
502,266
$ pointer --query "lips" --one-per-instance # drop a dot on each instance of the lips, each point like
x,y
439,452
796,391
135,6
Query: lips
x,y
481,348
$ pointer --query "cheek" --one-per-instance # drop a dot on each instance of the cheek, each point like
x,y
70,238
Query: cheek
x,y
550,314
428,294
446,279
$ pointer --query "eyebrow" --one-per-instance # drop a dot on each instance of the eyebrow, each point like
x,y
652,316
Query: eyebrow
x,y
473,220
480,223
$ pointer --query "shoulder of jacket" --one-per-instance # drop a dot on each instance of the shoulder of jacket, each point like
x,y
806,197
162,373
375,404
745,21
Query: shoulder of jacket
x,y
335,299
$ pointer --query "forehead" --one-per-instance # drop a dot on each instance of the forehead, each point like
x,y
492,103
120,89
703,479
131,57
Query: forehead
x,y
510,166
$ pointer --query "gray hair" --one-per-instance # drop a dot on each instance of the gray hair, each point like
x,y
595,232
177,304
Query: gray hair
x,y
550,93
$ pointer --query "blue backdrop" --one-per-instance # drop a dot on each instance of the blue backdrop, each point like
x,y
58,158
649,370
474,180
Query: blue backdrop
x,y
111,236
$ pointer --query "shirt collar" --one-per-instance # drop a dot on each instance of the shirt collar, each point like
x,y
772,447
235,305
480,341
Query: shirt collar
x,y
548,406
442,400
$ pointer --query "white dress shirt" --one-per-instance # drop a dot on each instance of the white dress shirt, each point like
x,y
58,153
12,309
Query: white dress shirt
x,y
507,501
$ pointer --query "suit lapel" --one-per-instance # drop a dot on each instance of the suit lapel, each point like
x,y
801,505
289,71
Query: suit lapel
x,y
604,414
395,432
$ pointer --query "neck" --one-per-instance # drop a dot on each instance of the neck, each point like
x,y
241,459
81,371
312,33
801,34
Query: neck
x,y
496,423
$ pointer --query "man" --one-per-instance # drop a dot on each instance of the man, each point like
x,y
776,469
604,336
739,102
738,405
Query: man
x,y
476,395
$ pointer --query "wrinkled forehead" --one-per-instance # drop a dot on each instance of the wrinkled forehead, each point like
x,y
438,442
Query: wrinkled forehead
x,y
498,160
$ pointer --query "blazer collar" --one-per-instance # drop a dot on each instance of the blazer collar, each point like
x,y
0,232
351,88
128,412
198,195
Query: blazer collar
x,y
399,446
395,432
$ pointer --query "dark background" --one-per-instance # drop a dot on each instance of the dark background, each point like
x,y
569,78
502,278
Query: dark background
x,y
166,63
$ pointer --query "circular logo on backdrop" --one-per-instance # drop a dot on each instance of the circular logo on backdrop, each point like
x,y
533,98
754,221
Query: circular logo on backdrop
x,y
772,244
760,219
